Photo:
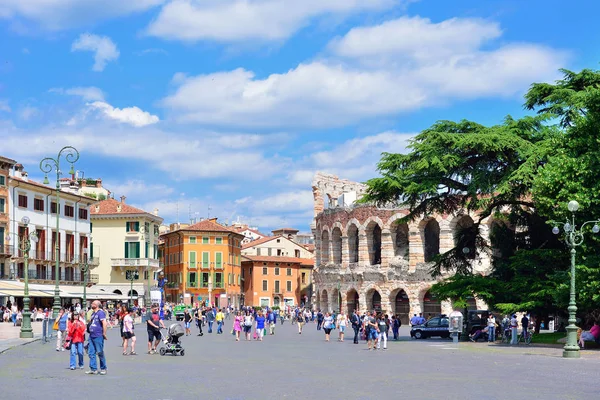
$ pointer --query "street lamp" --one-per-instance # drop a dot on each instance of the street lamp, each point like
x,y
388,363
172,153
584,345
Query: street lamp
x,y
25,246
84,270
131,275
573,238
48,164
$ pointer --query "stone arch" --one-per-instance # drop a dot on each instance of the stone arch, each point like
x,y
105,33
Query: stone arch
x,y
373,297
352,301
352,231
132,293
325,246
336,245
400,305
458,226
117,291
335,301
373,228
399,233
324,301
430,235
432,306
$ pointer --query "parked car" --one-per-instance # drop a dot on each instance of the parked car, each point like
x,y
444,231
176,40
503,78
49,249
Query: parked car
x,y
436,326
179,311
476,319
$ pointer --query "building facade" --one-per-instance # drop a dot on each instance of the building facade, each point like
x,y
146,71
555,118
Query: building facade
x,y
279,246
366,259
202,264
125,240
6,165
276,281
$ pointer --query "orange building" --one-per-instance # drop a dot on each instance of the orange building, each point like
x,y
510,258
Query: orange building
x,y
202,263
275,281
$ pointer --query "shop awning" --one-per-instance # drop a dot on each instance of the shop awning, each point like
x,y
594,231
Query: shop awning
x,y
17,289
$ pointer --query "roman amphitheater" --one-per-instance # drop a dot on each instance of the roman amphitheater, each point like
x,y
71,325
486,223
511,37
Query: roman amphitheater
x,y
366,260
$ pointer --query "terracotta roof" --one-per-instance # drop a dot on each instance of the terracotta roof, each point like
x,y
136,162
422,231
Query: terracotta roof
x,y
259,241
109,207
42,186
309,247
291,260
209,226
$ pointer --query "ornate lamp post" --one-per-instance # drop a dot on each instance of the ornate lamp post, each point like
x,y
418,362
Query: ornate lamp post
x,y
573,238
131,275
48,164
84,270
25,246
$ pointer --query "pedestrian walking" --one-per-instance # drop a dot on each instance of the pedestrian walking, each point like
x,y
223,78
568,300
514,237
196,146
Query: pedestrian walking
x,y
153,325
97,330
220,317
248,322
128,333
370,327
513,329
199,320
210,318
320,319
491,324
342,321
187,322
356,325
383,327
260,326
328,325
272,318
61,332
76,331
396,323
237,325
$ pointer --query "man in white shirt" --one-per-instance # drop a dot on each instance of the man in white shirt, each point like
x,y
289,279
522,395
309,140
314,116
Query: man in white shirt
x,y
513,329
491,324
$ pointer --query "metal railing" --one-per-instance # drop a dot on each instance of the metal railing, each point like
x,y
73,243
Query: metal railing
x,y
135,262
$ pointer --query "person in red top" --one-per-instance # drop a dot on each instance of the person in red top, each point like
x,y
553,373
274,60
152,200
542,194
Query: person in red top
x,y
76,331
595,331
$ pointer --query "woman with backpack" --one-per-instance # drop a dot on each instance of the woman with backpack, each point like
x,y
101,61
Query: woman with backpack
x,y
76,331
248,325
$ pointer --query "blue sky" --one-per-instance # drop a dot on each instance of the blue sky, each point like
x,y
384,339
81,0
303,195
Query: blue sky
x,y
235,104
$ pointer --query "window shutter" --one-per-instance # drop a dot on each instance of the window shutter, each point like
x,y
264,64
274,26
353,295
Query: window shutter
x,y
126,249
137,226
205,260
218,260
137,249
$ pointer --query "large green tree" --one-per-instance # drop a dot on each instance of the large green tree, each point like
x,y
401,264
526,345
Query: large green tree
x,y
520,172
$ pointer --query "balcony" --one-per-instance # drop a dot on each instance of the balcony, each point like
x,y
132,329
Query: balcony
x,y
192,285
135,262
6,250
69,276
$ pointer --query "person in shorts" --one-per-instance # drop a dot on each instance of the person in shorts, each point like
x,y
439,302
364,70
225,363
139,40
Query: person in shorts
x,y
153,325
187,322
128,333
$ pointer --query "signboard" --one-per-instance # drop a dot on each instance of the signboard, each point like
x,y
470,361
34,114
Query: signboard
x,y
187,295
456,322
155,296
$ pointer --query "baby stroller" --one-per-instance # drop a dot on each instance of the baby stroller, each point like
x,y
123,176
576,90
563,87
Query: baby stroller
x,y
172,343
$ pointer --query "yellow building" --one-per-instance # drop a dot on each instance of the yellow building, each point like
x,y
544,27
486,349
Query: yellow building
x,y
202,264
125,239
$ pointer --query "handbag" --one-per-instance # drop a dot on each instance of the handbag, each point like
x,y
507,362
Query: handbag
x,y
55,325
67,344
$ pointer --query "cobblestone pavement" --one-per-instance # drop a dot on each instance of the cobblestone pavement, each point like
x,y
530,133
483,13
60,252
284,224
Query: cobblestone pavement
x,y
294,366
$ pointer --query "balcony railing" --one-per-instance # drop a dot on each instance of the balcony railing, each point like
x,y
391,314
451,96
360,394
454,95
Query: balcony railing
x,y
73,276
36,255
6,250
192,284
135,262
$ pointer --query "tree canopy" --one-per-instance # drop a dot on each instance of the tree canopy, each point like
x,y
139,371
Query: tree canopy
x,y
521,172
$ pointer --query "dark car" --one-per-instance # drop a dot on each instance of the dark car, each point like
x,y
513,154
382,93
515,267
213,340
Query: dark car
x,y
476,320
436,326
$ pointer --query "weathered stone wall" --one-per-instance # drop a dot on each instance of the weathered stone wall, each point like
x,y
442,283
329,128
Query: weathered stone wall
x,y
401,267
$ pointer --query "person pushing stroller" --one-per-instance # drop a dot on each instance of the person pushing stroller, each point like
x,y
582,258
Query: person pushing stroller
x,y
153,326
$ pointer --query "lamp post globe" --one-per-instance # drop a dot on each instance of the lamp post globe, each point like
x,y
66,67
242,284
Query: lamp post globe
x,y
573,206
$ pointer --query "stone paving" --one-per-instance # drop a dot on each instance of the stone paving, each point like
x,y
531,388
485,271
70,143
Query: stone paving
x,y
294,366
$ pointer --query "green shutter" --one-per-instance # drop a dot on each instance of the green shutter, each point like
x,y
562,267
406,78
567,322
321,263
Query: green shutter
x,y
137,250
126,249
91,250
137,226
218,260
205,260
146,250
192,257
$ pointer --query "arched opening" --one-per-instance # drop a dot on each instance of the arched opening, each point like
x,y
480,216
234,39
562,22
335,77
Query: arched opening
x,y
464,236
324,301
352,301
431,242
353,243
335,301
402,306
373,232
431,306
400,240
373,300
336,242
325,247
132,293
117,292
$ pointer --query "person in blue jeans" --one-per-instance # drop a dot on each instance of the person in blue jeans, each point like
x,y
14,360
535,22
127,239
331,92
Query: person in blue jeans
x,y
97,331
210,318
76,332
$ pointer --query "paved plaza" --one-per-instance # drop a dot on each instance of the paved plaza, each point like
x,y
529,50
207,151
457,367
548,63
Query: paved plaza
x,y
294,366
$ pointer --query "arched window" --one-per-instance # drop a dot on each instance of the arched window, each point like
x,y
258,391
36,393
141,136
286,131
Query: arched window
x,y
400,239
353,243
373,232
325,247
336,239
431,235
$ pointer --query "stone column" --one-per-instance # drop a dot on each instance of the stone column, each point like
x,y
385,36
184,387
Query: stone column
x,y
387,248
446,236
344,294
345,252
415,247
330,250
415,302
363,249
317,249
446,307
386,305
362,301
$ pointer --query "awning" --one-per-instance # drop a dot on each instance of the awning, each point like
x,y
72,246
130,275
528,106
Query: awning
x,y
17,289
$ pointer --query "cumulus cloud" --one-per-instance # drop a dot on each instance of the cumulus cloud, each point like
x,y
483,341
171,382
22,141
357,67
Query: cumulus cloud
x,y
243,20
102,46
63,14
133,116
395,67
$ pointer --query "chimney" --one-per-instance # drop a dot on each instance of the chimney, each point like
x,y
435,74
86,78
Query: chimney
x,y
123,198
97,208
118,208
155,212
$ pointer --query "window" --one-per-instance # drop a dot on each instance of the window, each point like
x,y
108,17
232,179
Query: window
x,y
278,252
218,240
53,208
192,259
2,180
276,286
145,275
297,253
304,278
204,281
258,251
156,230
2,205
205,240
192,239
147,228
288,286
289,272
83,213
38,204
22,201
265,271
278,240
192,279
269,251
265,286
276,270
133,226
205,259
132,249
219,260
218,279
69,211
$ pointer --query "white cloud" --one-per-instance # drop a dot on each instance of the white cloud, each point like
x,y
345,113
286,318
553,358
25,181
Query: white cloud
x,y
285,201
103,47
136,188
88,93
248,20
63,14
363,78
133,116
4,106
151,51
28,112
